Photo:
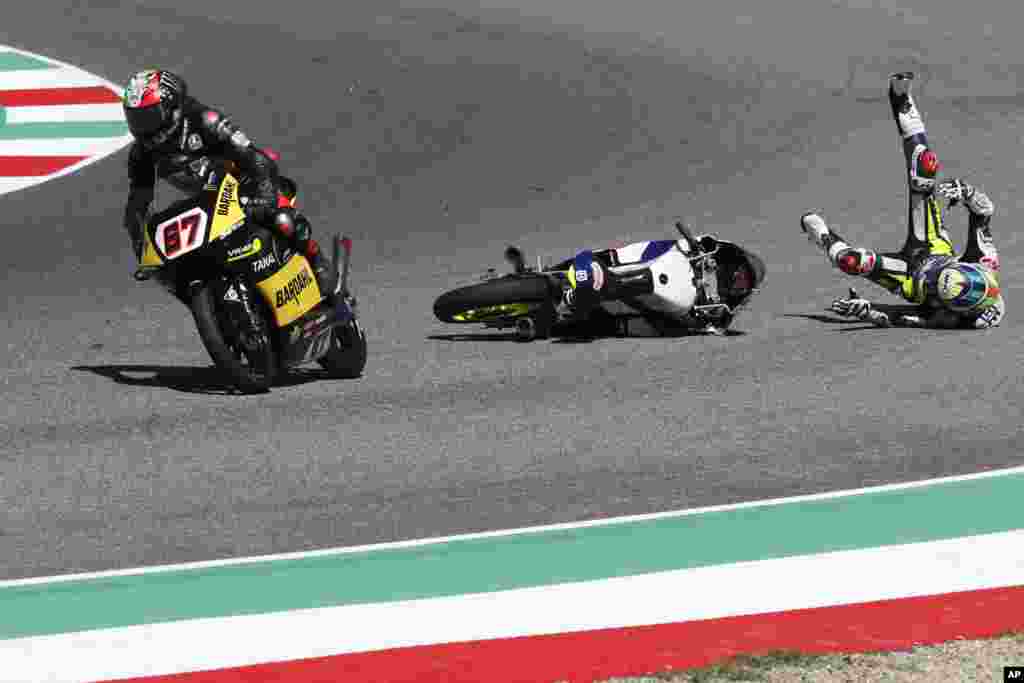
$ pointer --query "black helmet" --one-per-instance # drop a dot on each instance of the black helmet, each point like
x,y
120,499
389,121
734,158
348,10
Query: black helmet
x,y
153,105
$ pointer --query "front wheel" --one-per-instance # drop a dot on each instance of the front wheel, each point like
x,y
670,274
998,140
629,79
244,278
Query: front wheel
x,y
346,358
252,371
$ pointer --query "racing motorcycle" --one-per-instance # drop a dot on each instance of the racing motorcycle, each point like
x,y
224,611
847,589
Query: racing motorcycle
x,y
204,253
645,288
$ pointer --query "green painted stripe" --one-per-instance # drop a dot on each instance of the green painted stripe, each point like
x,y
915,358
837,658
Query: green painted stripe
x,y
58,129
948,510
14,61
3,116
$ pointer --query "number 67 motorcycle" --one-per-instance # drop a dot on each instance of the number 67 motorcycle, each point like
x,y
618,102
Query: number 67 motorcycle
x,y
650,288
203,252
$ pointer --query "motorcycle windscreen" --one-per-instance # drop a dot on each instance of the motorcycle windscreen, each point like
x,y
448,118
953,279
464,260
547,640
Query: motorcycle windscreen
x,y
731,256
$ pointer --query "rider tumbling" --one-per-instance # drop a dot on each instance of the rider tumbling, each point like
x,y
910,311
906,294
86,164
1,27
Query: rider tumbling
x,y
178,138
948,291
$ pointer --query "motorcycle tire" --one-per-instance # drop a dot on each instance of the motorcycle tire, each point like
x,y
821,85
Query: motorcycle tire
x,y
346,358
473,303
253,376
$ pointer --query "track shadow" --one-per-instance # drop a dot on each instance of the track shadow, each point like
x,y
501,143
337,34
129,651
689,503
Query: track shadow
x,y
562,338
477,336
192,380
824,318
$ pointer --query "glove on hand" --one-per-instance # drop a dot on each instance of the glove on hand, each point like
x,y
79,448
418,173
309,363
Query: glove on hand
x,y
954,191
856,307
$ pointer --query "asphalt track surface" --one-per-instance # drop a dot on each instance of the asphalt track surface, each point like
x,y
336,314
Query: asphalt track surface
x,y
435,136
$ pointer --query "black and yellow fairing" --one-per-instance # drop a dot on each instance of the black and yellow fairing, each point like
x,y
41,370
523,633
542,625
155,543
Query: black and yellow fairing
x,y
290,291
227,215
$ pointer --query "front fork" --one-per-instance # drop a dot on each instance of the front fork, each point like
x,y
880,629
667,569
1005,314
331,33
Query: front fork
x,y
237,298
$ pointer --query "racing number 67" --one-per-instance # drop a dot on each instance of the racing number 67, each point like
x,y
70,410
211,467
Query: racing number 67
x,y
182,233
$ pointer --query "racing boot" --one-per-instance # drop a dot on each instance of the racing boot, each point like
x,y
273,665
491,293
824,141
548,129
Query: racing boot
x,y
904,109
326,273
294,226
819,233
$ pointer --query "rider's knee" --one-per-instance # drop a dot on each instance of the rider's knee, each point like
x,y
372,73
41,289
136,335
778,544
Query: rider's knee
x,y
856,261
284,222
292,224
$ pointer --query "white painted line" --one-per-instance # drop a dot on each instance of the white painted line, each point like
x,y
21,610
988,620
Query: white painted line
x,y
48,78
13,184
96,80
438,540
61,147
65,113
839,578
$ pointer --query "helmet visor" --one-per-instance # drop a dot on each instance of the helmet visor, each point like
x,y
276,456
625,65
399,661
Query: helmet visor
x,y
144,122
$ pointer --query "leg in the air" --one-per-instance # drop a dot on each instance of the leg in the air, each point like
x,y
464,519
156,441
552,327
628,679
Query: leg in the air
x,y
890,271
924,221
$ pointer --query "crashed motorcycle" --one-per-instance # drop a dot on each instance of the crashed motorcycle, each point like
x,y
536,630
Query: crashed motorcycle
x,y
204,252
650,288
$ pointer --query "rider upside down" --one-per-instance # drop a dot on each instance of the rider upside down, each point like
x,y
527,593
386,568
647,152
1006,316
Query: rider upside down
x,y
945,291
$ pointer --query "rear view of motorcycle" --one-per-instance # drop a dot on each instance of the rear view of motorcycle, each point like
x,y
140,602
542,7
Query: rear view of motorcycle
x,y
255,301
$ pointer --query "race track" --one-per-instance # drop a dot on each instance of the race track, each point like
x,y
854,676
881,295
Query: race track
x,y
435,136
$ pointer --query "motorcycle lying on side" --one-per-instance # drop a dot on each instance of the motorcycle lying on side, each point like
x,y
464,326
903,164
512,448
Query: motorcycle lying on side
x,y
649,288
202,251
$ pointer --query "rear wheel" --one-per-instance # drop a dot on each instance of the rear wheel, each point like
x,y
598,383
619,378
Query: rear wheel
x,y
506,297
346,358
251,370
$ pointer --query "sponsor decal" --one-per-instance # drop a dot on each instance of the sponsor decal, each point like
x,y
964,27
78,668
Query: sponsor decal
x,y
290,292
231,294
294,335
253,247
263,263
194,142
226,197
239,139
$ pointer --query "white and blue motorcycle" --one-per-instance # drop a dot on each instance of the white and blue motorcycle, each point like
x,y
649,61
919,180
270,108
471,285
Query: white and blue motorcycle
x,y
650,288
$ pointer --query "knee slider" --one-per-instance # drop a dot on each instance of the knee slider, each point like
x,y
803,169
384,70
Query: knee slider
x,y
856,261
284,222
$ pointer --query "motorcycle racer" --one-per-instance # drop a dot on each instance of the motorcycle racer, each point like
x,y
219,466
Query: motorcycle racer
x,y
179,139
947,291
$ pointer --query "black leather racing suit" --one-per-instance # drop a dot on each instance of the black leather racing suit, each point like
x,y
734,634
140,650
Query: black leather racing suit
x,y
185,159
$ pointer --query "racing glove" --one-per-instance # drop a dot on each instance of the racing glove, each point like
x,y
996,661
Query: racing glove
x,y
956,190
856,307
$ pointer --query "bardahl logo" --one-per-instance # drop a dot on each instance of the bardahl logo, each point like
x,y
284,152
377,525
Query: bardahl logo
x,y
293,289
194,141
226,197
